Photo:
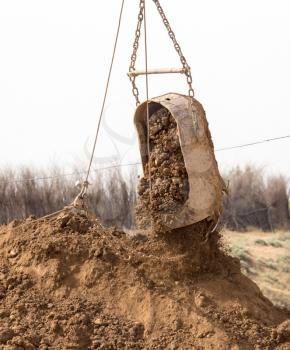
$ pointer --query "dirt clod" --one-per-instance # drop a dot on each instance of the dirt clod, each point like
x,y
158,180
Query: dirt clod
x,y
165,169
80,286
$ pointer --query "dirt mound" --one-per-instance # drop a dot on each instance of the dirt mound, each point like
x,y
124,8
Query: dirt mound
x,y
68,283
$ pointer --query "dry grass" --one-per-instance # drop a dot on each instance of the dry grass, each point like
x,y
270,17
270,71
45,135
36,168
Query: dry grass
x,y
265,258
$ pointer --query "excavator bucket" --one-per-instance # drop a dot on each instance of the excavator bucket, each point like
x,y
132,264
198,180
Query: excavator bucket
x,y
181,184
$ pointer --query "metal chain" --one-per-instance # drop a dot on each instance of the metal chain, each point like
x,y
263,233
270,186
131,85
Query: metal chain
x,y
186,67
135,49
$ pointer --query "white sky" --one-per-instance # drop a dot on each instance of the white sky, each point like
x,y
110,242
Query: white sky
x,y
54,58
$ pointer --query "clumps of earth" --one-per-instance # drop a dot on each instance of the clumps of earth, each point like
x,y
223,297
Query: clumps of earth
x,y
165,171
68,283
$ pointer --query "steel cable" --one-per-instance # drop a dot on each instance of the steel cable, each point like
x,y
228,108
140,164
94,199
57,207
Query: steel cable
x,y
105,95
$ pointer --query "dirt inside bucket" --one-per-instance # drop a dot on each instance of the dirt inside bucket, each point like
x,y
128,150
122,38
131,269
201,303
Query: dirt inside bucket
x,y
165,169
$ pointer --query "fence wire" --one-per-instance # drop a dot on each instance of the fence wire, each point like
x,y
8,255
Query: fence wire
x,y
139,163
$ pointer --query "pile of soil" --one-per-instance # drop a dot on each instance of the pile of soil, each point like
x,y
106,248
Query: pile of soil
x,y
68,283
169,178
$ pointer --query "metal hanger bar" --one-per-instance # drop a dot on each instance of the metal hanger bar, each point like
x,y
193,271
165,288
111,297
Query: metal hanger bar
x,y
136,73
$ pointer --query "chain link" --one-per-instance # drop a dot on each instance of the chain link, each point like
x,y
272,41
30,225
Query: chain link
x,y
186,67
135,49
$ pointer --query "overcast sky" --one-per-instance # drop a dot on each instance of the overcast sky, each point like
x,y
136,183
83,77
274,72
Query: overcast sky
x,y
54,58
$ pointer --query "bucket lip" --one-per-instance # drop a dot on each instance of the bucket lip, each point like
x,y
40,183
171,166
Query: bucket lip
x,y
164,96
140,116
159,99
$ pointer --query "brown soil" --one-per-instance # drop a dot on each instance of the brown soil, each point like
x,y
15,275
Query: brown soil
x,y
68,283
169,179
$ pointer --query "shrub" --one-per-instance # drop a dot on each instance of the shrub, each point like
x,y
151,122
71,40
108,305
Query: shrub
x,y
111,196
255,201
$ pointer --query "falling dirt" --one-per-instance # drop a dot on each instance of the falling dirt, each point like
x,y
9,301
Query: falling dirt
x,y
68,283
165,170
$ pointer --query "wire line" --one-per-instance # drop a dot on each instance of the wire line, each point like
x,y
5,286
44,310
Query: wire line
x,y
252,143
139,163
70,174
147,109
106,91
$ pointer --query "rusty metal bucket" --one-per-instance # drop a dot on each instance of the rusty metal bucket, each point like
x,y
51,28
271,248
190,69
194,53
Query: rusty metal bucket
x,y
206,186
